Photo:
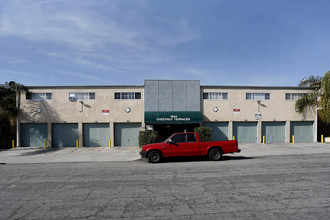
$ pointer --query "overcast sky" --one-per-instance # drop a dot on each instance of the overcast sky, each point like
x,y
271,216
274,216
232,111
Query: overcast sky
x,y
124,42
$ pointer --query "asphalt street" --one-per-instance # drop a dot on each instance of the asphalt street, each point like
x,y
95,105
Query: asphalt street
x,y
293,186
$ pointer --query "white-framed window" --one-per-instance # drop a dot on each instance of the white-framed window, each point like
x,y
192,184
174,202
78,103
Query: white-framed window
x,y
257,96
73,96
215,95
127,95
294,96
38,96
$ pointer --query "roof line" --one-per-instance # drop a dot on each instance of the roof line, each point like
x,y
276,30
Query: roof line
x,y
83,87
257,87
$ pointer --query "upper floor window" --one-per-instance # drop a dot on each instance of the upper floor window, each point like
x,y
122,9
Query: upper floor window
x,y
293,96
73,96
127,95
257,96
38,96
215,95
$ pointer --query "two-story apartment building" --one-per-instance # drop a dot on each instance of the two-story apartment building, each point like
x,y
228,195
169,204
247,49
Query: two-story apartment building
x,y
93,115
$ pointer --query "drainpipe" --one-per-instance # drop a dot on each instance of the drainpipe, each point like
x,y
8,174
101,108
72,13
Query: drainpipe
x,y
315,138
17,118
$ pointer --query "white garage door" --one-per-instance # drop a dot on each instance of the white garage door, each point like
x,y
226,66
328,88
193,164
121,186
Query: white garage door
x,y
127,134
303,131
274,132
245,132
33,135
96,134
65,135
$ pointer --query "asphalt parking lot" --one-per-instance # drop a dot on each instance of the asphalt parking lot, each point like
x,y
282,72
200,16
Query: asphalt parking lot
x,y
103,154
253,185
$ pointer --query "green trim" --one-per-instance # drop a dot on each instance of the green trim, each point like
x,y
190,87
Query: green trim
x,y
174,117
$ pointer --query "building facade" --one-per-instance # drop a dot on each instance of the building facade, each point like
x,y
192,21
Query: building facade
x,y
103,115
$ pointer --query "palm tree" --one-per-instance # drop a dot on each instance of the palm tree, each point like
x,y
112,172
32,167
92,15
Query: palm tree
x,y
310,99
325,98
318,96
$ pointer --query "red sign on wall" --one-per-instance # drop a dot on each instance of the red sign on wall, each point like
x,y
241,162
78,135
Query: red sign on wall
x,y
105,112
236,111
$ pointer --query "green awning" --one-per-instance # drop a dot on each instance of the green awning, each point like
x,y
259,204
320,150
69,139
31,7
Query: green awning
x,y
176,117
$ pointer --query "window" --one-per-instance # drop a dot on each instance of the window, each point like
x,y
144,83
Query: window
x,y
127,95
81,96
293,96
38,96
257,96
183,138
179,138
191,137
215,95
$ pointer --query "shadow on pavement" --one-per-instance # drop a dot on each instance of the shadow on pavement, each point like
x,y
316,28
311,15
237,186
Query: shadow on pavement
x,y
40,151
199,159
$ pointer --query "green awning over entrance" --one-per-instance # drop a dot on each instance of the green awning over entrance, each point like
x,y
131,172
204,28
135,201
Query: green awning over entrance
x,y
176,117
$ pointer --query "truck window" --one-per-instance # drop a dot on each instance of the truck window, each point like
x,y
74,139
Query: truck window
x,y
179,138
191,137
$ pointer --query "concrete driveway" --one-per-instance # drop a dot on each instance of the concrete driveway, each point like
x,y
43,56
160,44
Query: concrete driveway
x,y
99,154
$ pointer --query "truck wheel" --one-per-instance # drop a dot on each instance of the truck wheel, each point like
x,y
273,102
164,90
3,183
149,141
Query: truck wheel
x,y
154,157
215,154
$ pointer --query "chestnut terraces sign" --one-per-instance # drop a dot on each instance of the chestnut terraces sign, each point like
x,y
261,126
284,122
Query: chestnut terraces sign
x,y
189,117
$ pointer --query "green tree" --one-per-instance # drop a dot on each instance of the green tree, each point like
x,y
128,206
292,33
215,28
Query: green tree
x,y
148,137
8,92
204,133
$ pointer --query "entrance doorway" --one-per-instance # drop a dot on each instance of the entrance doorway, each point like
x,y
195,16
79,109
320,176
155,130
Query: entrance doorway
x,y
165,130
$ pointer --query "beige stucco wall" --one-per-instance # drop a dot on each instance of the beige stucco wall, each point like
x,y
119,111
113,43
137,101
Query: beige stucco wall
x,y
275,109
61,110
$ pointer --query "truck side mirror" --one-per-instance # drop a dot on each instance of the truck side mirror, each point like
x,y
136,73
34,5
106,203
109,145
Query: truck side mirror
x,y
170,141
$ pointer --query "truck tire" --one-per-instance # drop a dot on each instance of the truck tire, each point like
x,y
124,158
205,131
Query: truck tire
x,y
215,154
154,157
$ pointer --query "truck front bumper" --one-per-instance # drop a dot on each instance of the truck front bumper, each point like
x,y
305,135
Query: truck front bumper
x,y
143,154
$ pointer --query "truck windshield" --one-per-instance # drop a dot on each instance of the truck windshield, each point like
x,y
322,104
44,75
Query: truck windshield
x,y
167,139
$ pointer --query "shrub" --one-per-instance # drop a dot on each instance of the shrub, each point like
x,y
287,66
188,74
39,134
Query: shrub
x,y
148,137
204,133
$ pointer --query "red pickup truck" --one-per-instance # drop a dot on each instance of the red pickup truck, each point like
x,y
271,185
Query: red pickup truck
x,y
187,144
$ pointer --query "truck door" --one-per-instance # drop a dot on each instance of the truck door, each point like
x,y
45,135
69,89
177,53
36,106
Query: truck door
x,y
177,147
182,145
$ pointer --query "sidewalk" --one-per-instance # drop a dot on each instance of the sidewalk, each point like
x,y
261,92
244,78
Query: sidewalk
x,y
258,150
99,154
69,154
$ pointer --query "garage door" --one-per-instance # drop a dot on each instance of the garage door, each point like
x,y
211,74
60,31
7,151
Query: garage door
x,y
274,132
245,132
219,130
96,134
65,135
127,134
33,135
303,131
